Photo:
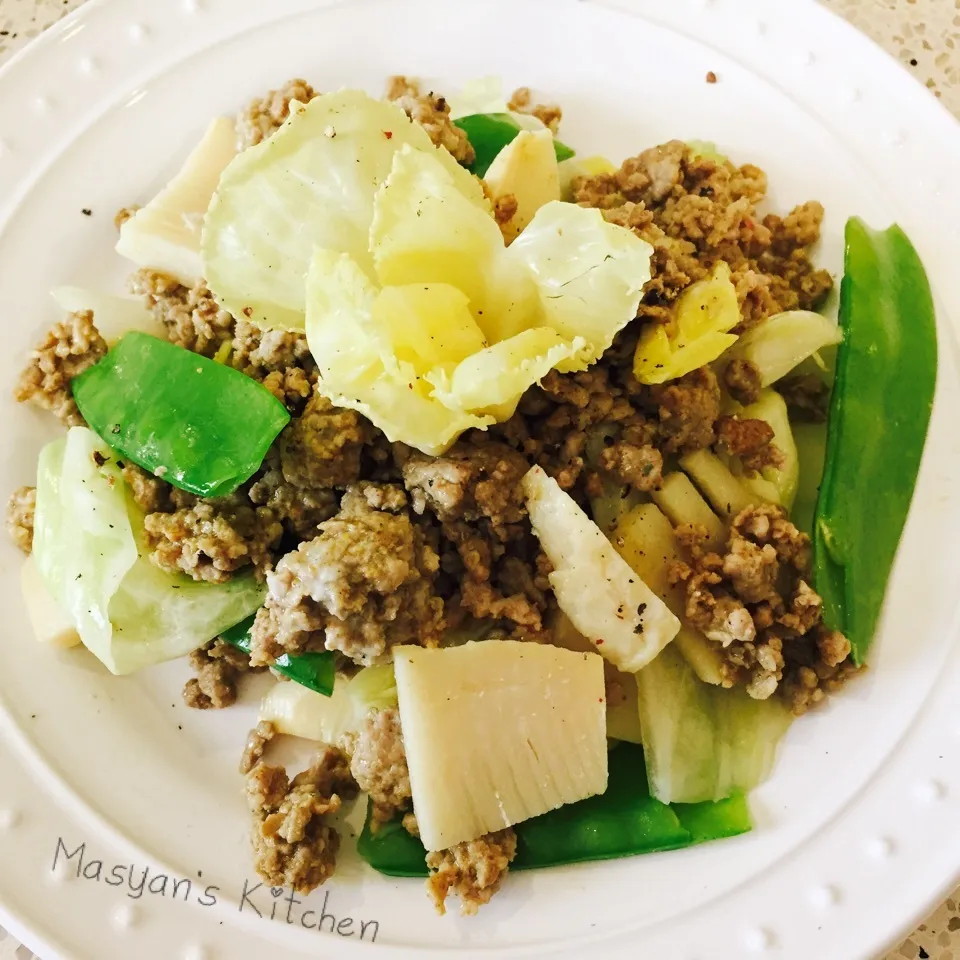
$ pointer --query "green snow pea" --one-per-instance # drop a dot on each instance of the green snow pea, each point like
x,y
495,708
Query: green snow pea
x,y
489,133
622,822
879,414
201,425
314,670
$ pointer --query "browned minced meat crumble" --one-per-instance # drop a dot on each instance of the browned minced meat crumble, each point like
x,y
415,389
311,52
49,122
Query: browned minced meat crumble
x,y
20,509
365,544
218,667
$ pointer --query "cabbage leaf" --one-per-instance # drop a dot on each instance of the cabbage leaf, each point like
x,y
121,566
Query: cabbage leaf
x,y
311,184
89,551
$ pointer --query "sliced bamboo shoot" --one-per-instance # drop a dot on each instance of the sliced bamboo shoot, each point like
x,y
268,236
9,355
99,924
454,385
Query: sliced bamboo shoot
x,y
727,494
165,234
497,732
605,599
645,539
680,500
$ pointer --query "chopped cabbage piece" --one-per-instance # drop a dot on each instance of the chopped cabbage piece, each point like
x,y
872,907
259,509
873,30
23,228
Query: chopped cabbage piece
x,y
704,742
704,313
312,184
128,612
358,367
493,380
462,325
595,587
783,341
482,95
589,273
425,230
525,169
297,711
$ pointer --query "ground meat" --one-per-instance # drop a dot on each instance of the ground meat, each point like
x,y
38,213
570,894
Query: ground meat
x,y
212,539
471,481
806,396
20,509
749,439
124,214
550,115
279,359
696,211
474,870
257,742
263,116
689,409
68,349
362,586
300,510
191,316
756,602
218,666
322,447
379,764
505,208
742,380
294,844
432,112
641,467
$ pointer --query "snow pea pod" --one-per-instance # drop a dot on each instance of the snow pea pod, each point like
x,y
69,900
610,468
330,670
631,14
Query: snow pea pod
x,y
489,133
317,671
879,414
200,425
623,822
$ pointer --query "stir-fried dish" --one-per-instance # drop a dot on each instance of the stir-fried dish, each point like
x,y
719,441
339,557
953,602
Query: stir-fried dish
x,y
538,483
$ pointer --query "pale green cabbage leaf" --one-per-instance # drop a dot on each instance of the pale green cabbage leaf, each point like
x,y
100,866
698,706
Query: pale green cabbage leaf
x,y
311,184
88,550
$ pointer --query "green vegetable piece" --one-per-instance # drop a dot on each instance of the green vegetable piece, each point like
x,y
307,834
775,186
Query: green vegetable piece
x,y
879,414
316,671
623,822
391,850
489,133
202,426
714,821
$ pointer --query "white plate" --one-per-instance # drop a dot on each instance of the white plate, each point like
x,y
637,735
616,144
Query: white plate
x,y
856,834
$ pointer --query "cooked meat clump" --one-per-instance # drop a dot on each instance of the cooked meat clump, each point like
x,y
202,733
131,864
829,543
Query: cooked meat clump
x,y
474,870
432,112
639,466
743,381
363,585
696,211
378,763
756,602
550,115
212,539
323,446
191,316
470,482
264,116
293,842
807,397
70,347
218,666
751,440
20,510
279,359
689,409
